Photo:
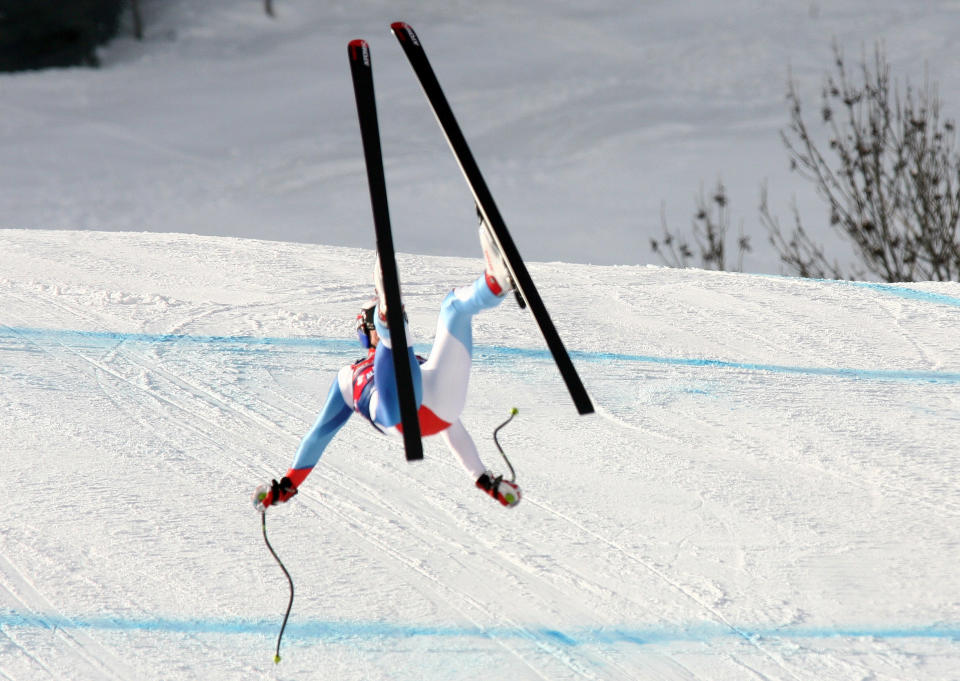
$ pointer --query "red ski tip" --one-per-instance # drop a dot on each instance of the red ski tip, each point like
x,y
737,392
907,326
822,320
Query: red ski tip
x,y
359,50
403,30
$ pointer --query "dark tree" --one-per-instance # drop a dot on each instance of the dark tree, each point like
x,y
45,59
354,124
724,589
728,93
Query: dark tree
x,y
37,34
711,223
802,255
137,19
889,172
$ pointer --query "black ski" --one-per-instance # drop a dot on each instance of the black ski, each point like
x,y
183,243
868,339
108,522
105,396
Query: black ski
x,y
489,212
362,71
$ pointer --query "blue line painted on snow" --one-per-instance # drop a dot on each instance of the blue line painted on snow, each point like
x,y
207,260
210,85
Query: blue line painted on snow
x,y
909,293
67,336
348,349
334,631
898,290
837,372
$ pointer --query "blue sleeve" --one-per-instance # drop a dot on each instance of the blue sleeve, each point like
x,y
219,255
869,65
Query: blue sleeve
x,y
333,416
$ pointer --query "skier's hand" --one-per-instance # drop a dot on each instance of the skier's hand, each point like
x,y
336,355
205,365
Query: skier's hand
x,y
276,493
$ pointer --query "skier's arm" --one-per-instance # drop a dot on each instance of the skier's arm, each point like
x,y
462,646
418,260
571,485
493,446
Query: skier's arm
x,y
333,416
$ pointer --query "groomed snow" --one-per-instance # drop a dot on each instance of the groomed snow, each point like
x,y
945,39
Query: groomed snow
x,y
769,490
587,119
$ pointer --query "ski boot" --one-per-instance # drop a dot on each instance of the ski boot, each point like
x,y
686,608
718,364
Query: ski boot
x,y
504,491
496,272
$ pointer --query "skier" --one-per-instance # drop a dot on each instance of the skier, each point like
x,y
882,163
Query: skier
x,y
369,388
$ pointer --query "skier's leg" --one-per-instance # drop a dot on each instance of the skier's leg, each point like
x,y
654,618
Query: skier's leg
x,y
461,444
445,379
447,373
387,410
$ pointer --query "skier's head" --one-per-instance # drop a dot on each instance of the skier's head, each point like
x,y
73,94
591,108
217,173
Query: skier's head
x,y
366,330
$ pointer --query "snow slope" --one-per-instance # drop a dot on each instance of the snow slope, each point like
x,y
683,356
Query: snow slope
x,y
586,118
769,490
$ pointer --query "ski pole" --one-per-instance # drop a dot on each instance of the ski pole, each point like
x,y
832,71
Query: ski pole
x,y
263,523
513,412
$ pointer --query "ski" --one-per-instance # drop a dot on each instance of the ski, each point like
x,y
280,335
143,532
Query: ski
x,y
362,71
489,213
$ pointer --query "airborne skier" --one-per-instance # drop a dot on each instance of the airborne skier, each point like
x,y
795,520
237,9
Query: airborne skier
x,y
378,387
369,387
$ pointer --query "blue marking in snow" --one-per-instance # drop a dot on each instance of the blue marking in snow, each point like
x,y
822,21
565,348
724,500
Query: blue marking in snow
x,y
335,631
899,290
349,349
909,293
219,342
838,372
559,637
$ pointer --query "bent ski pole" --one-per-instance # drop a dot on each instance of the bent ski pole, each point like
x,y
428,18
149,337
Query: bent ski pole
x,y
263,523
513,412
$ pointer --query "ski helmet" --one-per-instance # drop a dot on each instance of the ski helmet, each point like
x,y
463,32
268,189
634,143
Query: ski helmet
x,y
365,322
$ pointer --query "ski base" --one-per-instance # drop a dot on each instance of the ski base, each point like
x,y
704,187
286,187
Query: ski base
x,y
489,213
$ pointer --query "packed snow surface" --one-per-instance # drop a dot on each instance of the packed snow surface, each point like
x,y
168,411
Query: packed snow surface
x,y
588,119
768,490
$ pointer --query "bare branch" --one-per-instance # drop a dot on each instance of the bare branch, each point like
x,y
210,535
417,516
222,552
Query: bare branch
x,y
710,225
890,176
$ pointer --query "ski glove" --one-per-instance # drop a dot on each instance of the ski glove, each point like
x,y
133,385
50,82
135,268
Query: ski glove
x,y
276,493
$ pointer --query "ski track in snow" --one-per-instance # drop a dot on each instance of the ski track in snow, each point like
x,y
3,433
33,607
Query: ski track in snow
x,y
155,439
666,579
111,359
769,490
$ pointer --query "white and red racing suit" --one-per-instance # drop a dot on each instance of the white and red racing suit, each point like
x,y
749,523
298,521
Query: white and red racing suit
x,y
368,387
